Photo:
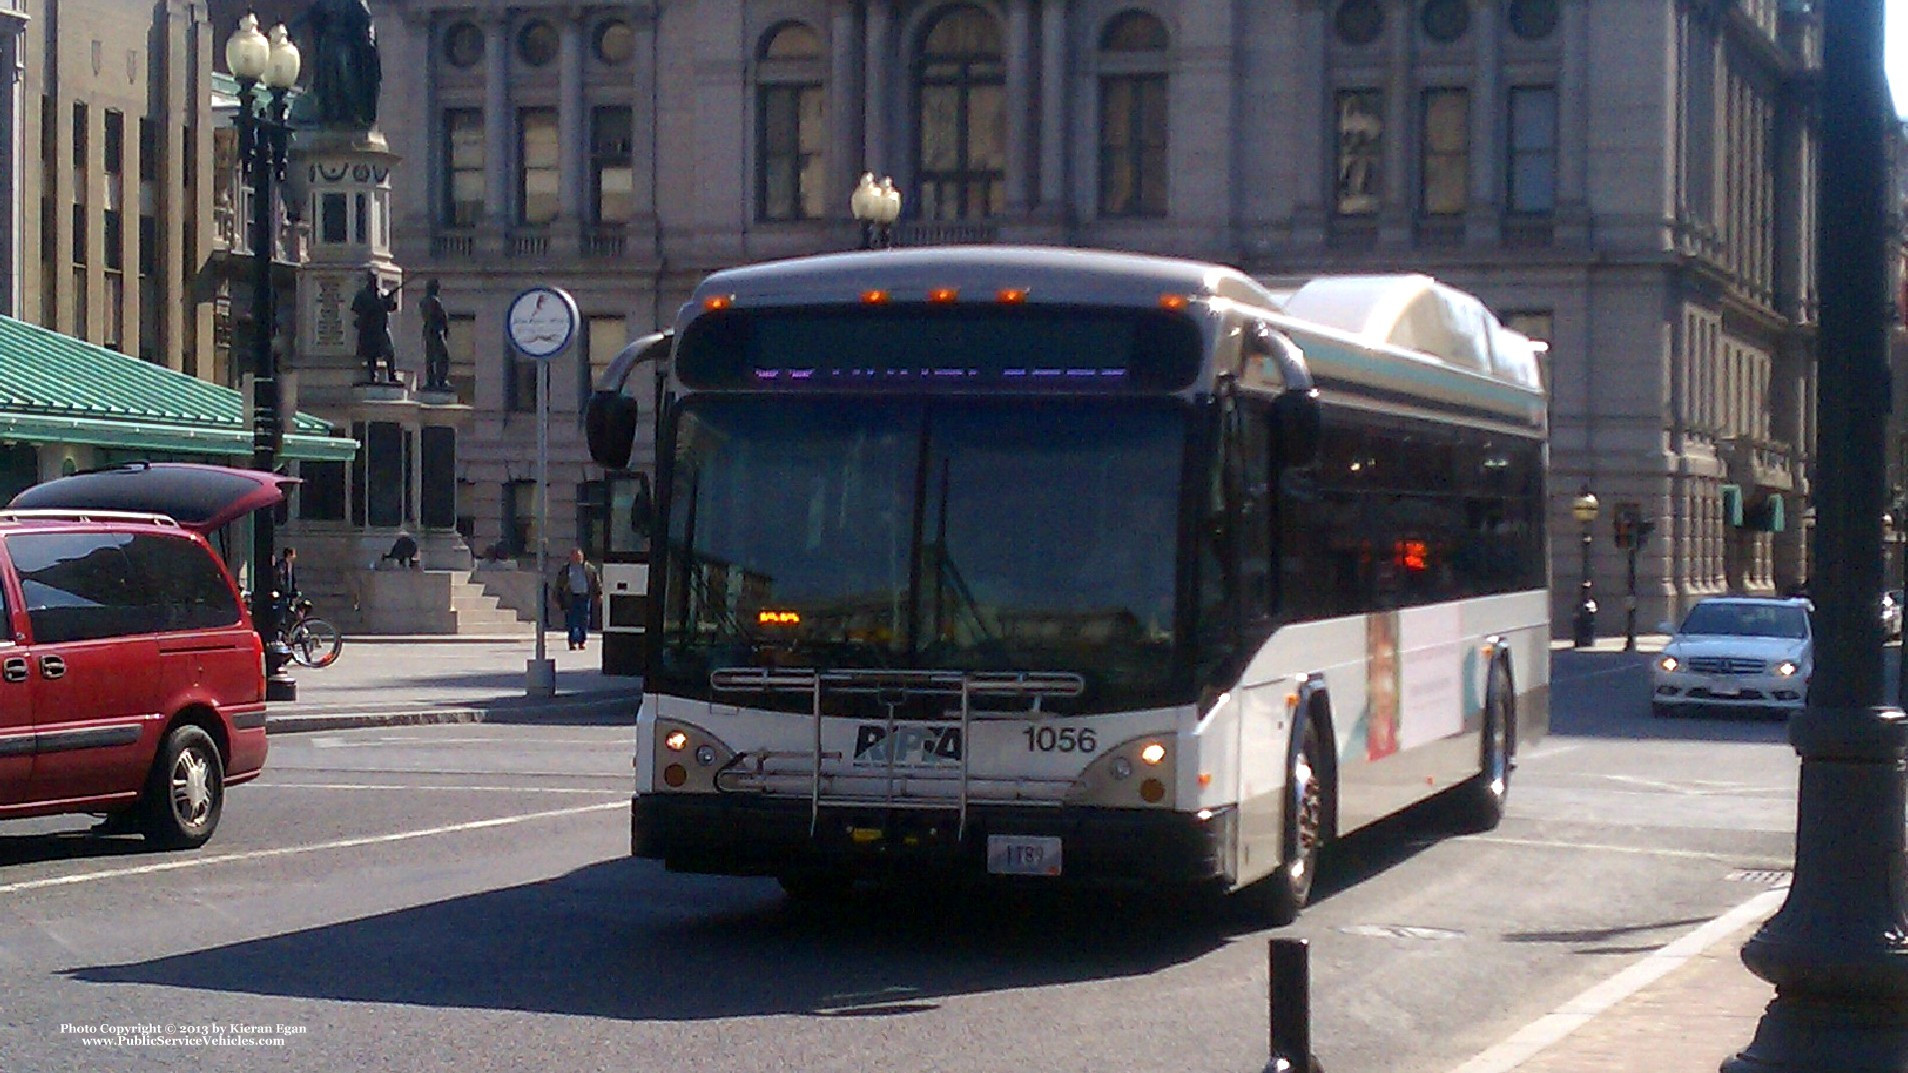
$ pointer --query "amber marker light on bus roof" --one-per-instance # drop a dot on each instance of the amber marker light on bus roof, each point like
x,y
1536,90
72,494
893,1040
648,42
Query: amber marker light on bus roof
x,y
1173,302
875,297
943,295
718,301
778,618
1011,296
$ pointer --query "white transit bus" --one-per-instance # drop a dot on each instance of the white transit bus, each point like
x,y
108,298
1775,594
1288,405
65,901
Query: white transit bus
x,y
1085,564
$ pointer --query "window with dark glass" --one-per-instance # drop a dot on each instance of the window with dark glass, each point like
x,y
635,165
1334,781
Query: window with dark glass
x,y
79,234
538,175
185,585
80,125
334,224
1532,170
1360,128
1359,22
463,156
520,382
612,173
463,44
148,244
519,517
791,120
115,142
1445,21
1446,159
960,118
148,150
322,495
81,586
537,44
1133,122
1533,20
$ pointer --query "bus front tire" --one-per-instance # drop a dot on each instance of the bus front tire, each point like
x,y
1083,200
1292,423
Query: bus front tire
x,y
1481,800
1275,901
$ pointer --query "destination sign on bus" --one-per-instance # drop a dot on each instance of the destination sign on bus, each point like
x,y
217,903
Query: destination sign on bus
x,y
940,347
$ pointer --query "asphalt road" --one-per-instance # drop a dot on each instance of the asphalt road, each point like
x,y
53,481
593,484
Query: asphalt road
x,y
458,897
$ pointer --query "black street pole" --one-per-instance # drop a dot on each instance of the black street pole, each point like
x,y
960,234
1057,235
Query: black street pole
x,y
1629,606
1584,628
262,148
1837,951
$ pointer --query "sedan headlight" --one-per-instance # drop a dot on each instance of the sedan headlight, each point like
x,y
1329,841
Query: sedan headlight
x,y
1787,668
1668,663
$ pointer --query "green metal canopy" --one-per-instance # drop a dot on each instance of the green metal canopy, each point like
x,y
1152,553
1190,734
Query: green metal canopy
x,y
58,389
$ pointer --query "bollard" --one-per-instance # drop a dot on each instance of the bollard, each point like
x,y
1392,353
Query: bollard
x,y
1291,1007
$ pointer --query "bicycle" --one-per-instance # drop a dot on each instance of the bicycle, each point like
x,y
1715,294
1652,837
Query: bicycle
x,y
313,641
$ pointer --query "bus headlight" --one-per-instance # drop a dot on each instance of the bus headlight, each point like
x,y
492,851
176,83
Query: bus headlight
x,y
676,744
1787,668
1108,781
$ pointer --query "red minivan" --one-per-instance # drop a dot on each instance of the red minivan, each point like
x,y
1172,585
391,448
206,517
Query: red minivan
x,y
131,679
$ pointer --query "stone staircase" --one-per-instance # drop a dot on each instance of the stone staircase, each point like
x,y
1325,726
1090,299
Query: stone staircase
x,y
400,602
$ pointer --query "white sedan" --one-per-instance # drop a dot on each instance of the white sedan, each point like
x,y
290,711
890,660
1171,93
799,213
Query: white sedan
x,y
1737,653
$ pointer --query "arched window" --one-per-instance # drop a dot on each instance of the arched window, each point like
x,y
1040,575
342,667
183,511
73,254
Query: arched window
x,y
1132,64
790,124
960,120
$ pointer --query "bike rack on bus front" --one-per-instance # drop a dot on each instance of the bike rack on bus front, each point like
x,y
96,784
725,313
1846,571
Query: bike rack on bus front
x,y
900,683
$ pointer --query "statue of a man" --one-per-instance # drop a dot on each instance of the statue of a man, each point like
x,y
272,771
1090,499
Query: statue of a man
x,y
371,314
436,339
345,71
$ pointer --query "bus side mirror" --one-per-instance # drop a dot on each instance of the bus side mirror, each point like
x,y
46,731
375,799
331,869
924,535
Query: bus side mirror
x,y
609,425
1295,426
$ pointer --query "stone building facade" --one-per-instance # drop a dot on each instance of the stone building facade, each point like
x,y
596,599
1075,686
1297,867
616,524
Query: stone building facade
x,y
1629,180
114,176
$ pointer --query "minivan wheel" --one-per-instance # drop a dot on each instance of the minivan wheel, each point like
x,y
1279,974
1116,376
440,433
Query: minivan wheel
x,y
184,791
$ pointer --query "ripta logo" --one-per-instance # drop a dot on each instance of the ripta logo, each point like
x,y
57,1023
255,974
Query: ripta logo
x,y
922,745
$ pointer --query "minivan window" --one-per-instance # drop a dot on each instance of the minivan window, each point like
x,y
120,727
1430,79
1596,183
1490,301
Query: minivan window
x,y
189,589
80,586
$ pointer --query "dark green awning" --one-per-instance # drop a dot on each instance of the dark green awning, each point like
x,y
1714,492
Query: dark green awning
x,y
58,389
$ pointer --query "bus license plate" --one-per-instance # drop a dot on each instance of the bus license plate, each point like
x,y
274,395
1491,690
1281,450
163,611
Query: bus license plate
x,y
1023,855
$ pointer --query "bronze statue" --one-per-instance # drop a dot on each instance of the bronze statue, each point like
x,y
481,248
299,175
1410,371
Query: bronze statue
x,y
345,71
436,339
371,314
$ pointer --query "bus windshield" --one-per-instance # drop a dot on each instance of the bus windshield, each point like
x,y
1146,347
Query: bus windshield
x,y
948,533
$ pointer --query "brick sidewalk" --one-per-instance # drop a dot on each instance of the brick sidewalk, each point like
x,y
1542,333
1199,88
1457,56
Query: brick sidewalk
x,y
1685,1008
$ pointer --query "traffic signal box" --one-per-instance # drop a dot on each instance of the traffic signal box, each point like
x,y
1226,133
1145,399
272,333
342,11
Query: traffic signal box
x,y
1632,528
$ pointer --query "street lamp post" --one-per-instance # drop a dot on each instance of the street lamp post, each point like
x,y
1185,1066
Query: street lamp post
x,y
263,132
1584,508
1837,950
877,206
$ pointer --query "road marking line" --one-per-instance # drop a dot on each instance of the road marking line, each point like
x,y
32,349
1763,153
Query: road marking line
x,y
1644,851
1547,1030
396,786
1546,751
289,851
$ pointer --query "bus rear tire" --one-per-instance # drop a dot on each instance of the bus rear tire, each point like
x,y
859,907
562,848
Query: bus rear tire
x,y
1275,901
1481,800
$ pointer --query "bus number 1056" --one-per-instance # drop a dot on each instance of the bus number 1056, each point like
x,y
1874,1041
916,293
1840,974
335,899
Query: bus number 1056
x,y
1061,740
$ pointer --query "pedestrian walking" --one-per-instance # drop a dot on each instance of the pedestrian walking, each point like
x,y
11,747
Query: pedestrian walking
x,y
578,586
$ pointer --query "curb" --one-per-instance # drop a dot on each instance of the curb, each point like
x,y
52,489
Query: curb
x,y
599,709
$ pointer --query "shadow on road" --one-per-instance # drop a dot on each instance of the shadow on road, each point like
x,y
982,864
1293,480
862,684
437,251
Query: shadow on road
x,y
622,939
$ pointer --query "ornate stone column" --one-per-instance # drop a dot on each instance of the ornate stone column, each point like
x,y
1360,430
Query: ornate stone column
x,y
1019,162
880,27
572,132
499,211
1054,94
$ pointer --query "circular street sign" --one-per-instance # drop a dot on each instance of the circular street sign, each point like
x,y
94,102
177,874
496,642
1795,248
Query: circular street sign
x,y
541,322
